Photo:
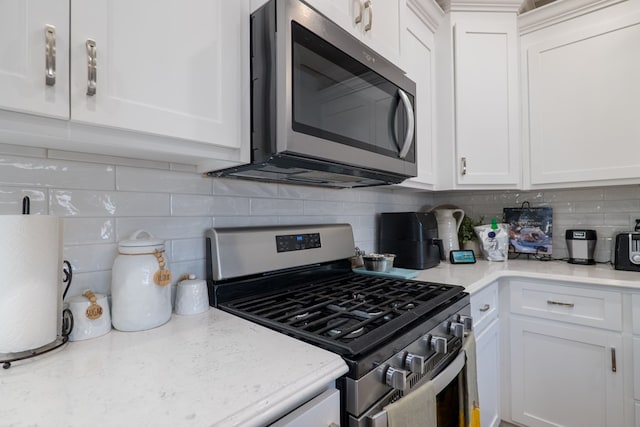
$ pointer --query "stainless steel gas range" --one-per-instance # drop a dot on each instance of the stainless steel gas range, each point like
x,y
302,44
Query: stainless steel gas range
x,y
394,334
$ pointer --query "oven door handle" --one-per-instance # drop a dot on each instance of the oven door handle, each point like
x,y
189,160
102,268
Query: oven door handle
x,y
442,380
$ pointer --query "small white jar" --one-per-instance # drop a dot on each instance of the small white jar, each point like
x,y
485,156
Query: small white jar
x,y
140,284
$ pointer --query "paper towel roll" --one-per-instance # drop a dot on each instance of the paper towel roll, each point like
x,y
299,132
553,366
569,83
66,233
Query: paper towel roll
x,y
30,281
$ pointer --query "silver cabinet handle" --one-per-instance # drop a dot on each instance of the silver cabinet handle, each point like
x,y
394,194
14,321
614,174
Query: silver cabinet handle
x,y
408,139
368,5
485,307
614,367
50,55
360,11
92,67
561,304
463,164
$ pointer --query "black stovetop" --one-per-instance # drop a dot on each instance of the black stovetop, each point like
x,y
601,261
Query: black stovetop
x,y
344,312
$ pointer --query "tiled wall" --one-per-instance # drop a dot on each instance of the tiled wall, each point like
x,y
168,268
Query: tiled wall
x,y
103,200
607,210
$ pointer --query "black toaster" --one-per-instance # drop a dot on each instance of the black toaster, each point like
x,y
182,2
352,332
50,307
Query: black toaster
x,y
626,251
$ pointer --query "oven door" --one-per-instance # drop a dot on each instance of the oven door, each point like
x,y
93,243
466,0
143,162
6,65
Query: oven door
x,y
450,403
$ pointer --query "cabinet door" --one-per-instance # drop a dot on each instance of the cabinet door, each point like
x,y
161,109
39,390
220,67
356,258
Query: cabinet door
x,y
376,22
488,367
170,68
486,101
23,67
564,375
584,95
418,62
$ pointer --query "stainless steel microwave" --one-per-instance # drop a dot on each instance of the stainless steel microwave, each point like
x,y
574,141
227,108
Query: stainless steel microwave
x,y
326,110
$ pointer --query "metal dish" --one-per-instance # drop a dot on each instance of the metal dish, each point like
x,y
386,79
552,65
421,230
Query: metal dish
x,y
378,262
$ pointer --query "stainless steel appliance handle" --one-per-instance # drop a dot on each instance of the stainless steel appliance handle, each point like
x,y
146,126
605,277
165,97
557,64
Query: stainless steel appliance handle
x,y
408,139
443,379
50,55
92,67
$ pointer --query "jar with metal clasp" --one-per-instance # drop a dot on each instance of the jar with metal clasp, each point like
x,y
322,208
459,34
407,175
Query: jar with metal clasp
x,y
140,284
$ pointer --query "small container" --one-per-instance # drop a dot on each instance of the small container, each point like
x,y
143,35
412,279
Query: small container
x,y
378,262
91,316
192,296
140,279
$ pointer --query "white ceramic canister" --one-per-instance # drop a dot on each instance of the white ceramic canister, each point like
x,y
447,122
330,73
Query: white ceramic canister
x,y
91,316
140,279
192,296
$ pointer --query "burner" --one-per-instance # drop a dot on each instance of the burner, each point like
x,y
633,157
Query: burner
x,y
342,324
299,316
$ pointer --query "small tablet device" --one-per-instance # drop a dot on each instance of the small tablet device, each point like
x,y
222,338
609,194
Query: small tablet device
x,y
462,257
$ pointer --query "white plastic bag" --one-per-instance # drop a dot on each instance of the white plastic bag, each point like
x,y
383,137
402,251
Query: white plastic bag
x,y
494,240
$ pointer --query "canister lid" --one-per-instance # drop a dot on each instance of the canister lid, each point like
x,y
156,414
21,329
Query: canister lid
x,y
140,241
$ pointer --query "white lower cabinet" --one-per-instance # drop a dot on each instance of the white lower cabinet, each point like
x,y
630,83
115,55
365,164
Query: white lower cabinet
x,y
566,355
488,366
565,375
484,311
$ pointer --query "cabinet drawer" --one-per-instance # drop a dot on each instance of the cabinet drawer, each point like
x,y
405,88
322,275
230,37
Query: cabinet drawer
x,y
484,307
636,371
582,306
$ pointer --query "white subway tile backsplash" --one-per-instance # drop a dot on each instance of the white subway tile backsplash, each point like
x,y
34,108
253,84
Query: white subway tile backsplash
x,y
37,172
85,258
11,200
164,228
187,249
104,199
98,281
276,207
321,207
237,187
187,205
82,231
108,203
161,181
301,192
104,159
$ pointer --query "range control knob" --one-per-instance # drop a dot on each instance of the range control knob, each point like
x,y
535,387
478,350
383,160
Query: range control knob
x,y
437,344
414,363
467,321
396,378
456,329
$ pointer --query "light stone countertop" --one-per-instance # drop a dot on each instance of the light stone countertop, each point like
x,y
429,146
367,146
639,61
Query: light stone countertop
x,y
208,369
476,276
214,368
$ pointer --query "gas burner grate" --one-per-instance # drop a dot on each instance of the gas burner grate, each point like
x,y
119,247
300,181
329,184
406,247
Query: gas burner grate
x,y
350,314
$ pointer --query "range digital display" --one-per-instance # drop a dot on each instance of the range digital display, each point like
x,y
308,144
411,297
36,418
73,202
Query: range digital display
x,y
297,242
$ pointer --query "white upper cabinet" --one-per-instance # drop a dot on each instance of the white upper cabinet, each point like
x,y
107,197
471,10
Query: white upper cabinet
x,y
378,23
171,76
418,57
582,94
34,64
478,99
167,68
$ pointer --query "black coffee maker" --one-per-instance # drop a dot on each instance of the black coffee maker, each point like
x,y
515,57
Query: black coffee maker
x,y
412,237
